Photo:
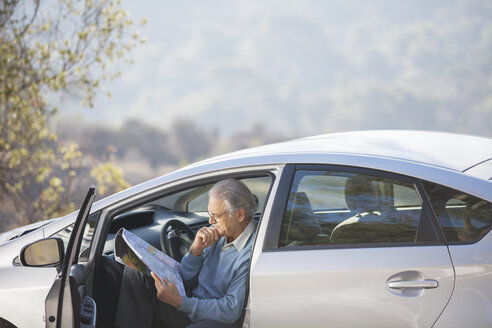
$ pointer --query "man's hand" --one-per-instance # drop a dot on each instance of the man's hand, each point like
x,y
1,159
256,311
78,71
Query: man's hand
x,y
167,293
205,237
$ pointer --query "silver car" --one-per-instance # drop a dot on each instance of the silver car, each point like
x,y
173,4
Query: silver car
x,y
371,228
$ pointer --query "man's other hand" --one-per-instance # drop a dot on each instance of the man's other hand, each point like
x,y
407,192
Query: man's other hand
x,y
205,237
167,293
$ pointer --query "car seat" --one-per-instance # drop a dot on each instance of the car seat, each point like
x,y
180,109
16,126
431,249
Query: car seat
x,y
302,224
362,199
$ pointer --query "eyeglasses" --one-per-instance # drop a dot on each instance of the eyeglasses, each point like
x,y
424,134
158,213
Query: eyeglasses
x,y
216,216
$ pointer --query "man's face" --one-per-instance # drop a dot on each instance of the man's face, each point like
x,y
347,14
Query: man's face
x,y
223,222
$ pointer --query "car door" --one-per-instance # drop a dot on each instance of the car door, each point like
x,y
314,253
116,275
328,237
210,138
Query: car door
x,y
348,247
466,221
67,305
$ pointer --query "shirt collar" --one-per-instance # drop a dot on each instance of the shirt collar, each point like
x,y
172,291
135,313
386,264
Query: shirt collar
x,y
243,238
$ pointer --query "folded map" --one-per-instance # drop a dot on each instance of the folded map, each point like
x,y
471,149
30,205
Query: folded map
x,y
135,252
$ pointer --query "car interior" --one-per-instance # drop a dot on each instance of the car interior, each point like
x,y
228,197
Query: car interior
x,y
347,208
374,220
367,210
169,223
462,217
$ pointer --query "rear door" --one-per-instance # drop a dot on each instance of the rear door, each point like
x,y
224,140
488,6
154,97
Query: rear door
x,y
66,303
349,247
466,221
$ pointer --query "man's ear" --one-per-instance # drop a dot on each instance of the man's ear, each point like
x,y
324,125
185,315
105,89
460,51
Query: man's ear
x,y
241,213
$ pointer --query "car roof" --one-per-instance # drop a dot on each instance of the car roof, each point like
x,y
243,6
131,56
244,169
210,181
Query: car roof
x,y
400,151
452,151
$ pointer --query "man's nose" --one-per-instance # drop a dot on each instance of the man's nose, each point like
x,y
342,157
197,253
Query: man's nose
x,y
211,220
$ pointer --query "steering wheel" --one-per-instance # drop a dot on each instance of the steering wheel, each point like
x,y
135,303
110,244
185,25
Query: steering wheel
x,y
176,239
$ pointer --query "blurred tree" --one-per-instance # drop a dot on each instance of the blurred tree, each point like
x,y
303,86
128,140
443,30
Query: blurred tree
x,y
190,140
53,198
47,48
109,178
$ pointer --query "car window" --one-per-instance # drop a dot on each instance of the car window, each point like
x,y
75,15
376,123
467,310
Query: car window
x,y
86,242
341,208
189,205
404,196
259,186
463,218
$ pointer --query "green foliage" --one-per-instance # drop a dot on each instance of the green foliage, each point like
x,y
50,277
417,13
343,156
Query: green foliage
x,y
54,199
46,48
109,178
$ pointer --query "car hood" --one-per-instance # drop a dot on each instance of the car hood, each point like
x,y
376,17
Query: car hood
x,y
21,231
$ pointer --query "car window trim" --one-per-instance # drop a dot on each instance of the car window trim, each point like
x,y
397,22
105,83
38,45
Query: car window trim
x,y
354,246
173,187
280,205
427,207
274,223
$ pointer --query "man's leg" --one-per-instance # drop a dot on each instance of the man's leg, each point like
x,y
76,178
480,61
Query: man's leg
x,y
138,304
135,306
169,316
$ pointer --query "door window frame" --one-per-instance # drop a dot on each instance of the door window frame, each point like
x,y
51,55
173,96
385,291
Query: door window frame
x,y
428,226
175,186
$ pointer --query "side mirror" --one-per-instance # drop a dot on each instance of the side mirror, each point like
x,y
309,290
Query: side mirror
x,y
48,252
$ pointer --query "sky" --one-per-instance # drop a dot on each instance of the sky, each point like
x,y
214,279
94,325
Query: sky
x,y
307,67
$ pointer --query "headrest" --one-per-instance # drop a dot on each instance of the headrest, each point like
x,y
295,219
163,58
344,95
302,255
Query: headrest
x,y
361,194
302,205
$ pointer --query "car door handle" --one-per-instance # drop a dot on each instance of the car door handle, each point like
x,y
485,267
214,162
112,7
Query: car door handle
x,y
400,284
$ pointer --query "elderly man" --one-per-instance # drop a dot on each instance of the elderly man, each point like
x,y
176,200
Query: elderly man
x,y
215,269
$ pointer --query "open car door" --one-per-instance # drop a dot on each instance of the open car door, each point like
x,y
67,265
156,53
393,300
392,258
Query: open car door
x,y
67,305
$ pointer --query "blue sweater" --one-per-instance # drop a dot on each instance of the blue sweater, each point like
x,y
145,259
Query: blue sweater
x,y
218,279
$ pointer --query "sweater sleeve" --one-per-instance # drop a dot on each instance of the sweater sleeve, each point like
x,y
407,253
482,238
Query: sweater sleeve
x,y
190,268
226,309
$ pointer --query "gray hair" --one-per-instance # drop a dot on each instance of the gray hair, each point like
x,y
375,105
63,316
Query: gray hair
x,y
236,195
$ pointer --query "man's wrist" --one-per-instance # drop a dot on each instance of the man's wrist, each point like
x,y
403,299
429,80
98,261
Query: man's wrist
x,y
196,251
178,302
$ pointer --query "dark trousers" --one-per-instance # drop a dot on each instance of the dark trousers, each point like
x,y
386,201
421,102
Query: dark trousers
x,y
138,306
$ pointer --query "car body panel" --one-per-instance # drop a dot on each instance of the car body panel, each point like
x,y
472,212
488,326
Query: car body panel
x,y
23,230
35,283
482,170
472,297
451,151
348,287
24,305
